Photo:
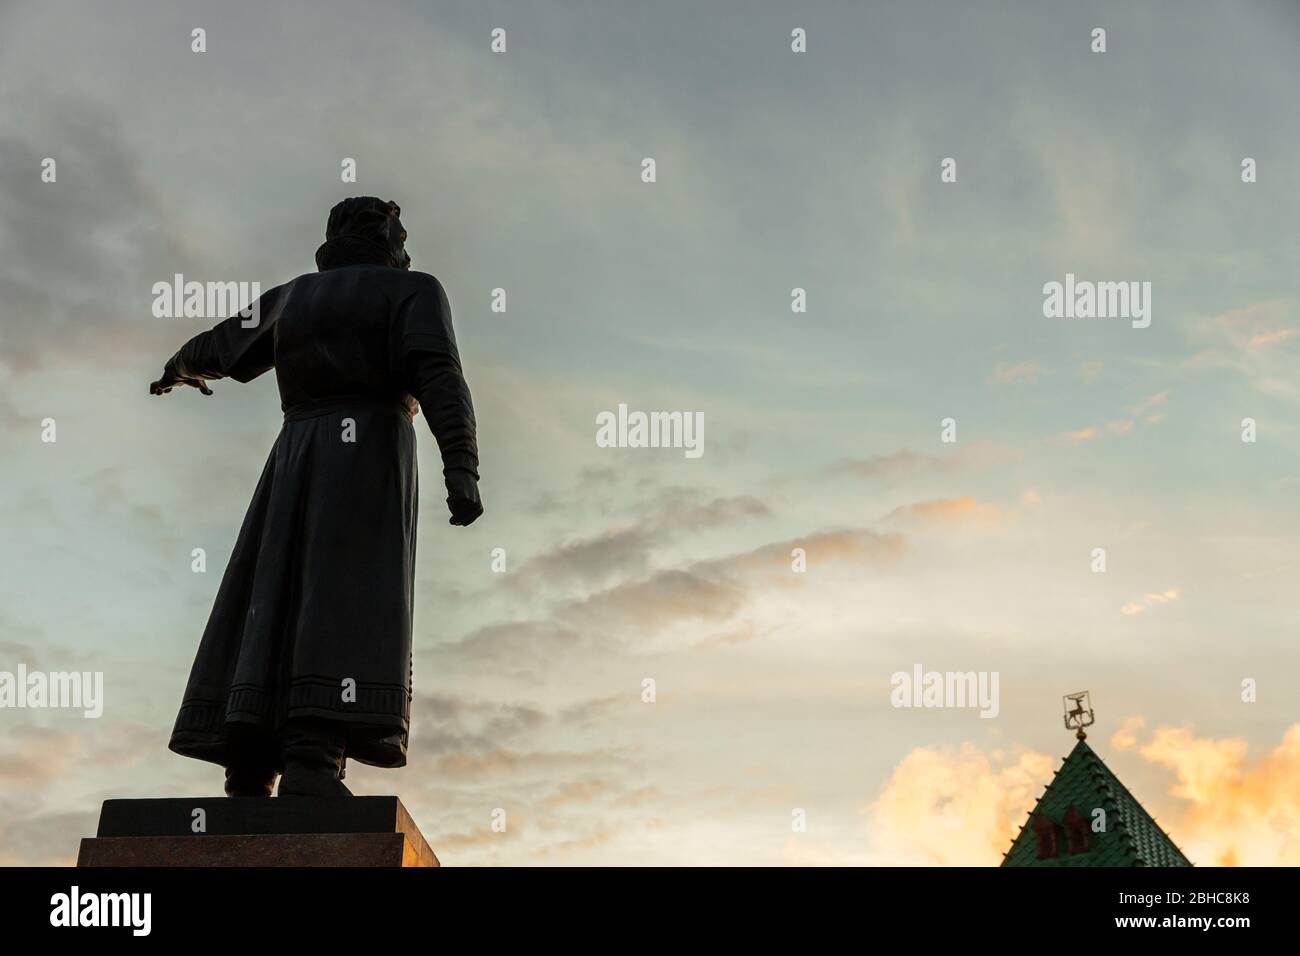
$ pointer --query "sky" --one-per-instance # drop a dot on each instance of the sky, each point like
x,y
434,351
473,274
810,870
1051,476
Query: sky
x,y
771,738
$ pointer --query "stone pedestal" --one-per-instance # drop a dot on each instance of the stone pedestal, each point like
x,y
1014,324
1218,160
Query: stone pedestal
x,y
247,831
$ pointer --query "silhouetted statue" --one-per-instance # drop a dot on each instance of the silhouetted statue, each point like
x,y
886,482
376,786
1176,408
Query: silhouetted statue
x,y
306,658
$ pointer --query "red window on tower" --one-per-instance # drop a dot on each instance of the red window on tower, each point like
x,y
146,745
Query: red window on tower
x,y
1076,831
1045,837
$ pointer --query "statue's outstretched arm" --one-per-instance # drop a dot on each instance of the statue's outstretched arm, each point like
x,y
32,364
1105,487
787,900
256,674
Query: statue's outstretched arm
x,y
241,347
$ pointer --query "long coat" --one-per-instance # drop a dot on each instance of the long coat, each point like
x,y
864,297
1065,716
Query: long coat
x,y
313,617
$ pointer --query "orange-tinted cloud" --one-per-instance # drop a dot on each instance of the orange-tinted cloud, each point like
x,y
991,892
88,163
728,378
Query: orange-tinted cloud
x,y
1120,426
35,756
953,511
1258,324
955,807
852,545
1236,811
1255,341
1016,372
962,807
1150,600
1126,737
1150,402
1272,338
1087,433
1146,409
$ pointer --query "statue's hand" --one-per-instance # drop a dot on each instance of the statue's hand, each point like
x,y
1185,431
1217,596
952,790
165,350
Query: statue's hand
x,y
171,378
462,497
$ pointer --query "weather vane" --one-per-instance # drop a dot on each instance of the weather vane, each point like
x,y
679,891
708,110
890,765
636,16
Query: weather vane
x,y
1080,715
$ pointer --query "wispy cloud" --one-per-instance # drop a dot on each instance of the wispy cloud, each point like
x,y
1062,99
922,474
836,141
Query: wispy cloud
x,y
1016,373
1150,600
1254,341
965,510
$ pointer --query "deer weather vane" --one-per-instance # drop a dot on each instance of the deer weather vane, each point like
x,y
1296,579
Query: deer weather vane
x,y
1080,715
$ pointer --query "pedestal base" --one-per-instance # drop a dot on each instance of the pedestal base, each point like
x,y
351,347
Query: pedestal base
x,y
245,831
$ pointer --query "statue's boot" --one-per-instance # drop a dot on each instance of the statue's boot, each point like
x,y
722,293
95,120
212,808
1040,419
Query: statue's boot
x,y
249,781
313,760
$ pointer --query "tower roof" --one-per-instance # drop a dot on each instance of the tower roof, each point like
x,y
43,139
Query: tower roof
x,y
1130,838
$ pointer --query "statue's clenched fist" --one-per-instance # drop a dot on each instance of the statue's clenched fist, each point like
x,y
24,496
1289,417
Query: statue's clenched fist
x,y
462,497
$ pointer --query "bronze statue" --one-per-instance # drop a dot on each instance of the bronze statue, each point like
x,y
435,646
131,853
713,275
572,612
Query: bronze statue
x,y
306,658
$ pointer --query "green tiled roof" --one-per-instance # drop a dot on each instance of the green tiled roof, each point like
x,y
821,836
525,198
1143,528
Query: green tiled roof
x,y
1131,837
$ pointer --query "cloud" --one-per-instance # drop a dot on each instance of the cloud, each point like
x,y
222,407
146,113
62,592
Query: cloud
x,y
590,560
591,841
906,463
588,712
850,546
962,806
945,806
664,599
1087,433
900,464
641,796
705,594
1149,402
1118,426
451,724
42,839
1016,373
1150,600
718,512
1148,409
1089,370
1258,324
954,512
462,764
1253,341
622,551
117,231
36,756
1272,338
1126,737
1235,811
582,791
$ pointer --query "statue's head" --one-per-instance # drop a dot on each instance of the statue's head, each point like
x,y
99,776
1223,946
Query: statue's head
x,y
364,230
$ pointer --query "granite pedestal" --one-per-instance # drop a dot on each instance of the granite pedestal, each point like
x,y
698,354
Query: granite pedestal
x,y
249,831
